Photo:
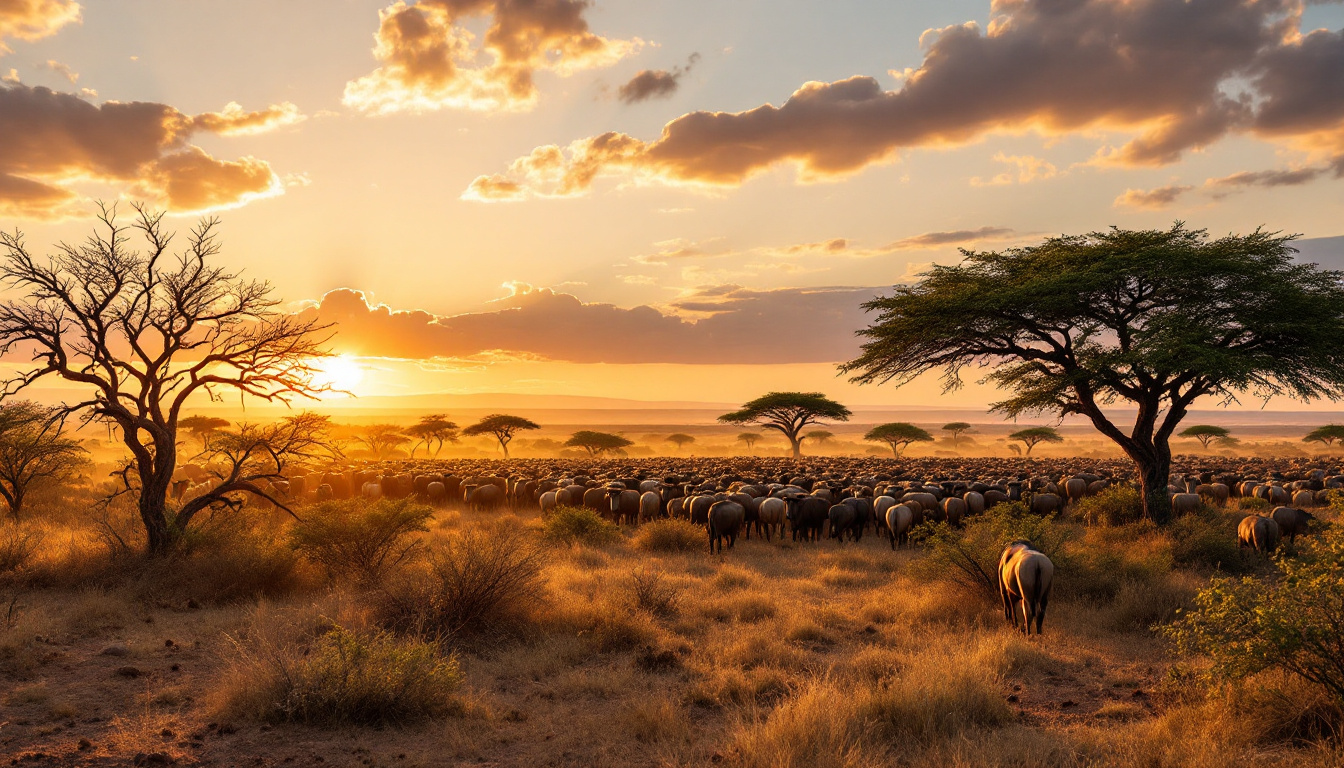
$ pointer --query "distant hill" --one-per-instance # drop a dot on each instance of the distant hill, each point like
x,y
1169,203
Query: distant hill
x,y
1325,251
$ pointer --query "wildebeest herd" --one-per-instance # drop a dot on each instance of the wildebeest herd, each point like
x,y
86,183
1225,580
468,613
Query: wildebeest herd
x,y
828,497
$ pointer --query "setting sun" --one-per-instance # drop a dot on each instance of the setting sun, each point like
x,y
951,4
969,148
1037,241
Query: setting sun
x,y
341,373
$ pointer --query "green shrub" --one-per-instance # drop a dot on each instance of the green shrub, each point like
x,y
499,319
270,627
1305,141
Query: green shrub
x,y
1252,504
969,557
1294,622
1208,538
344,677
1116,505
670,536
481,582
358,540
569,525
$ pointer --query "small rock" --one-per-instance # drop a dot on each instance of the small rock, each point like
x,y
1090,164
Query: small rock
x,y
227,728
168,643
176,667
84,745
1138,693
870,629
129,671
167,733
192,605
1012,698
154,758
115,650
1067,704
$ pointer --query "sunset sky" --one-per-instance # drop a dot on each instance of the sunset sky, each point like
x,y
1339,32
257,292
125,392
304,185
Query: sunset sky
x,y
653,199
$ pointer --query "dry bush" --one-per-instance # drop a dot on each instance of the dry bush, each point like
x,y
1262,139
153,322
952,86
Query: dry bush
x,y
651,592
18,544
360,541
968,557
321,673
580,525
670,536
485,581
1208,538
235,556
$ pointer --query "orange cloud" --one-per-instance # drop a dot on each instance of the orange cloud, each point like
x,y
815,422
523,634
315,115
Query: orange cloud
x,y
679,249
34,19
1157,68
428,56
1151,198
55,140
655,83
738,326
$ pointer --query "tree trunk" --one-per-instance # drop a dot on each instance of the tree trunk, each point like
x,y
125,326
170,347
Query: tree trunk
x,y
161,533
1154,473
504,446
797,446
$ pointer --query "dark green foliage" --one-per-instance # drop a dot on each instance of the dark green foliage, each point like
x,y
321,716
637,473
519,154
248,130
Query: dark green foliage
x,y
579,525
969,556
788,413
1115,505
898,435
1206,433
502,427
1033,436
597,443
1208,539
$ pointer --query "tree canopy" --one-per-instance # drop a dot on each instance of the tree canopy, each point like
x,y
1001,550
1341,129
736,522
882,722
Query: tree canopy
x,y
202,427
1033,436
898,435
502,427
1326,435
788,413
956,428
382,440
750,438
821,436
432,431
1153,319
597,443
33,449
1206,433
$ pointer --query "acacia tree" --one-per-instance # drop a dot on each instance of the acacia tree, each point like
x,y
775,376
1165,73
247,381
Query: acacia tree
x,y
788,413
382,440
821,436
1151,319
898,435
1033,436
33,449
681,439
597,443
433,430
750,438
1206,433
1326,435
502,427
142,333
956,428
202,427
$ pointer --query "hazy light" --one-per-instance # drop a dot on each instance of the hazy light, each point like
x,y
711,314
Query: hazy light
x,y
340,372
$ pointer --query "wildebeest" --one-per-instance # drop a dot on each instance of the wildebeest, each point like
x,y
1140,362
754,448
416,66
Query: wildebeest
x,y
899,520
1025,578
1259,533
725,520
1292,521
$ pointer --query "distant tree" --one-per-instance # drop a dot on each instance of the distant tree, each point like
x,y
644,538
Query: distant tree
x,y
382,440
502,426
821,436
1015,449
898,435
956,428
750,438
33,449
1326,435
681,439
1206,433
202,427
1033,436
1150,319
597,443
432,431
788,413
140,333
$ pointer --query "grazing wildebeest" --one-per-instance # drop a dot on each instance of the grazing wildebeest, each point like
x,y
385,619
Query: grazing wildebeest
x,y
1259,533
1025,577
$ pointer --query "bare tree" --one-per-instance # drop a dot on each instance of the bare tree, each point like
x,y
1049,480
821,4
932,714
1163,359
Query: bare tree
x,y
382,440
144,332
33,449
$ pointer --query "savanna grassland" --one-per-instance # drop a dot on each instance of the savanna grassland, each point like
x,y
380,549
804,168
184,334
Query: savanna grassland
x,y
394,634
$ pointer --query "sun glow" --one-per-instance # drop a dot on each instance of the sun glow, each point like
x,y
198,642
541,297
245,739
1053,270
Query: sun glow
x,y
339,372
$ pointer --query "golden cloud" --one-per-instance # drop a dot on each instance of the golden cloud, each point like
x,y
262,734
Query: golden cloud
x,y
1155,68
429,59
34,19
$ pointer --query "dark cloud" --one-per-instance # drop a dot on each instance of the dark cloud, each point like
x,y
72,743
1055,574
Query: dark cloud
x,y
428,57
1159,68
51,138
955,237
1151,198
1273,178
655,83
735,325
34,19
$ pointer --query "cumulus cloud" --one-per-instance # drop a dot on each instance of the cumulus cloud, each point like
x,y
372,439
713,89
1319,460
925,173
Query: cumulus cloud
x,y
735,325
63,70
655,83
34,19
55,140
1029,169
1160,197
430,60
1178,74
